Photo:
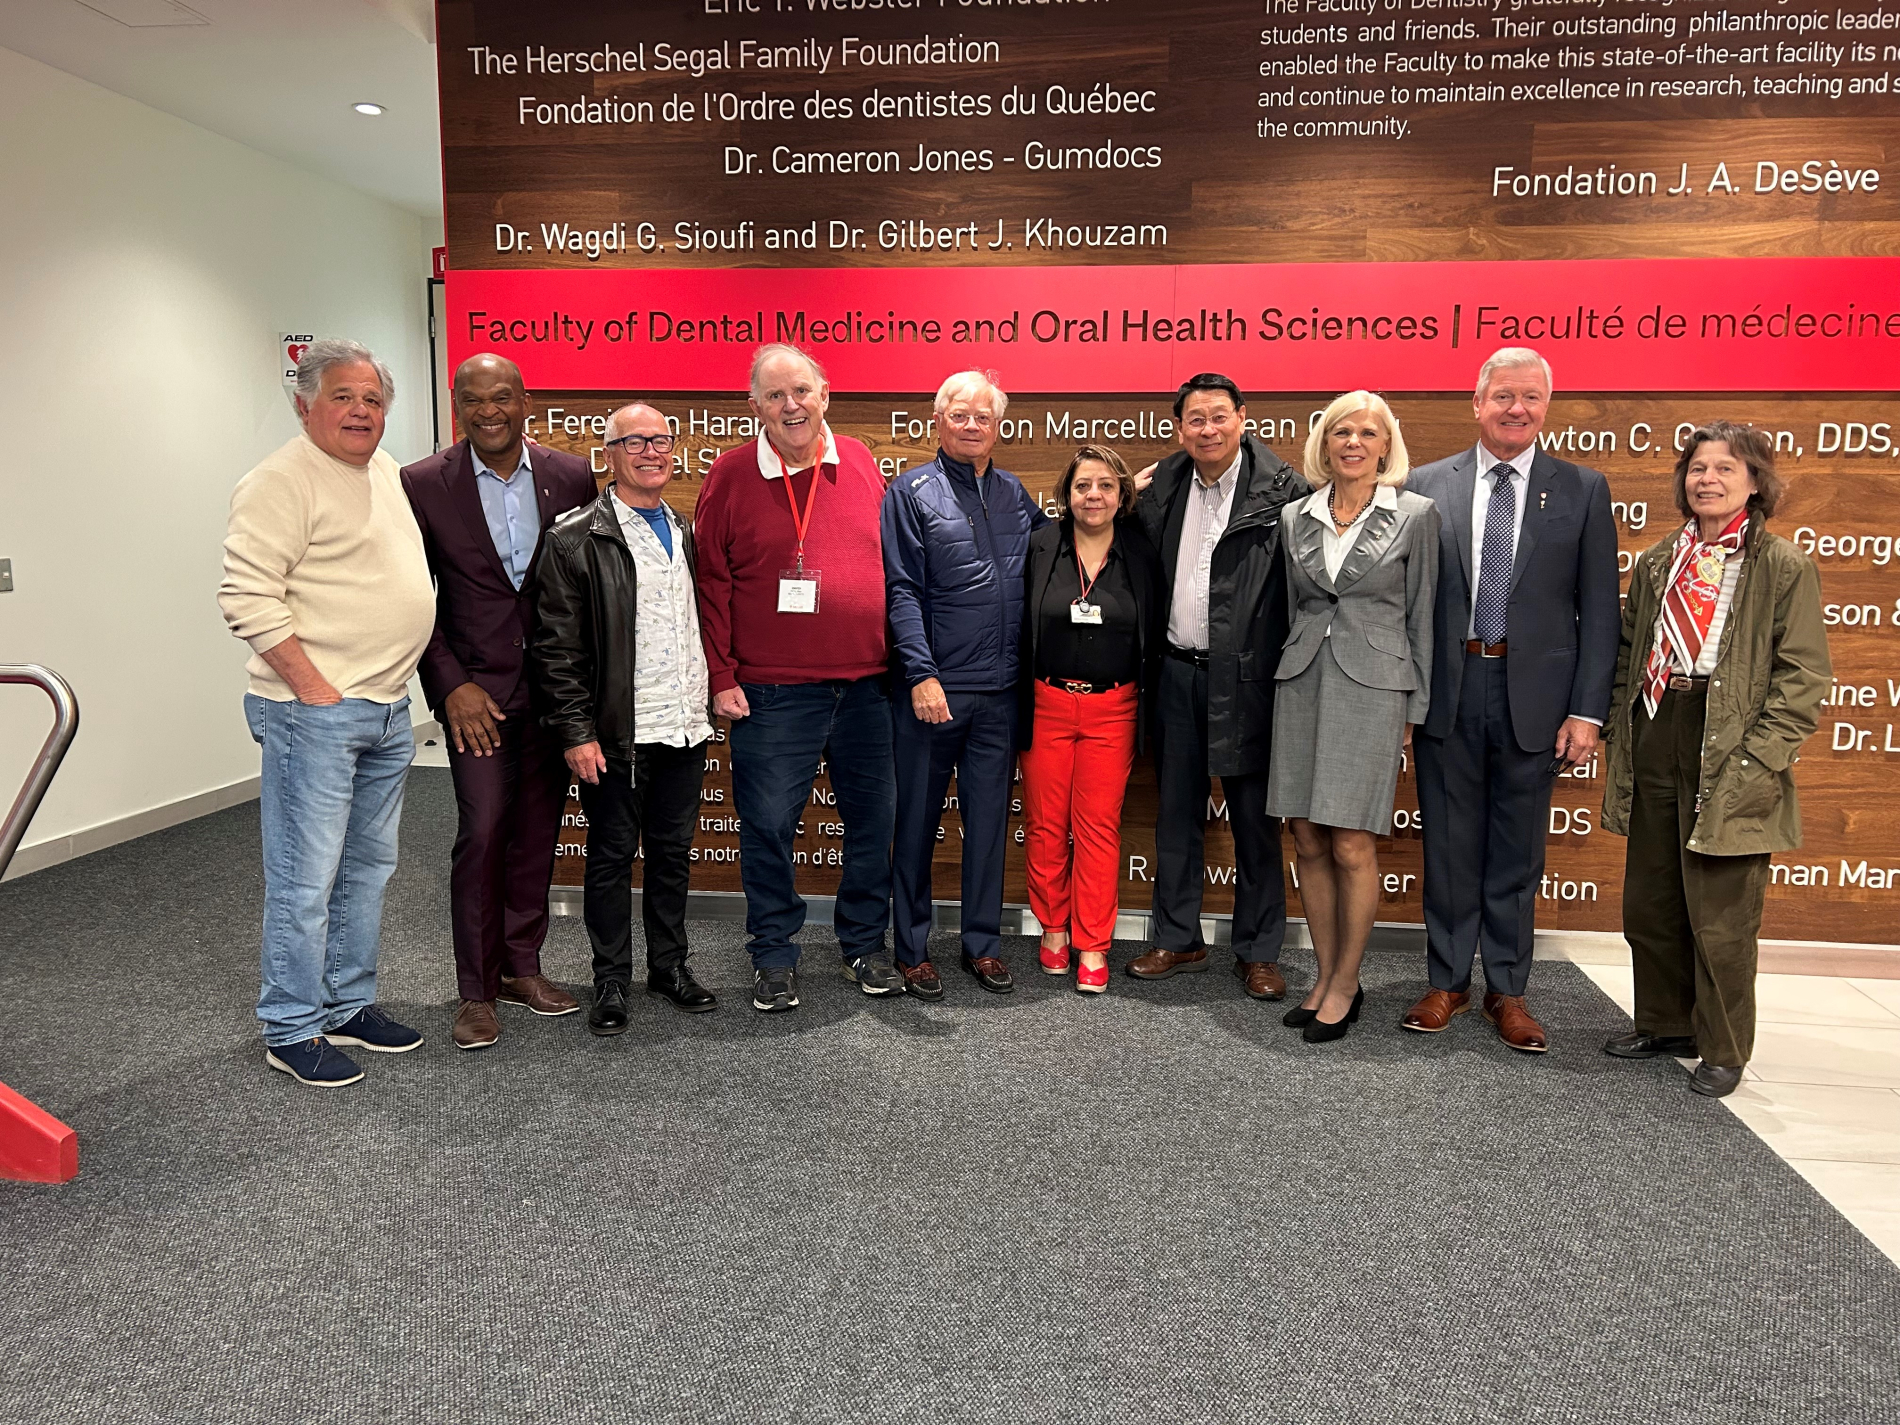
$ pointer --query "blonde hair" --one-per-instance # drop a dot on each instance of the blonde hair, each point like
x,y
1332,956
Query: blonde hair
x,y
1392,470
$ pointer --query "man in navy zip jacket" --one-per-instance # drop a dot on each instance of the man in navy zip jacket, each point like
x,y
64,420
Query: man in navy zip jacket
x,y
956,538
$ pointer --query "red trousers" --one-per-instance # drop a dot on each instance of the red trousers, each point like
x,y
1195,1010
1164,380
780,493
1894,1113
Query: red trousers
x,y
1074,777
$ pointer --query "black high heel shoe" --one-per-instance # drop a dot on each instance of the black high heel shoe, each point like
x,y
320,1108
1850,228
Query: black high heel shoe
x,y
1318,1031
1298,1017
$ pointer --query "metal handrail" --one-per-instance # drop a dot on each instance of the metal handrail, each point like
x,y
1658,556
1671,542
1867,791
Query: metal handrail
x,y
52,753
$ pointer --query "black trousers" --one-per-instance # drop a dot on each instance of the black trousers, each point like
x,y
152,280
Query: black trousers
x,y
1486,805
1692,921
1181,828
645,810
979,745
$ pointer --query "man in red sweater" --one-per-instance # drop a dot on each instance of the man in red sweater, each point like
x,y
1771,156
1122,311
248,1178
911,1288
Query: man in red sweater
x,y
791,609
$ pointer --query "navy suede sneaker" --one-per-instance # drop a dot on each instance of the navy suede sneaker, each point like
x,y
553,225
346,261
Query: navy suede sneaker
x,y
313,1062
369,1028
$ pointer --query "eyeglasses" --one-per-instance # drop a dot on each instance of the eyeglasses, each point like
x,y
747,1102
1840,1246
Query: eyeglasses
x,y
1201,423
982,420
640,444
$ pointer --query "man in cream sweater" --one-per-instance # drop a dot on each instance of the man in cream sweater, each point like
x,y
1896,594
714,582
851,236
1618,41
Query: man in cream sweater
x,y
326,580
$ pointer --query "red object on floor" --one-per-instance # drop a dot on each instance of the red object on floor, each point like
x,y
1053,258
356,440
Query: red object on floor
x,y
35,1147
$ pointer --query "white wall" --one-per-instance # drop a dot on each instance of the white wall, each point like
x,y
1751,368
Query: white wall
x,y
146,267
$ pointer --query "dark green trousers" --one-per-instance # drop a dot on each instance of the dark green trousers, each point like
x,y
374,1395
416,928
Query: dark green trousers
x,y
1692,921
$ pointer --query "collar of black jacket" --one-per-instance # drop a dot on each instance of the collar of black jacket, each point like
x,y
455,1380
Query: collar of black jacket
x,y
957,469
603,520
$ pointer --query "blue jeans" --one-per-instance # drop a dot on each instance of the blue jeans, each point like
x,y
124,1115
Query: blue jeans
x,y
775,754
332,798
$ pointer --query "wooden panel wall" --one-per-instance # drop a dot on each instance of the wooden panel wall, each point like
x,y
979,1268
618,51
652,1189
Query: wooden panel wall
x,y
1436,180
1844,885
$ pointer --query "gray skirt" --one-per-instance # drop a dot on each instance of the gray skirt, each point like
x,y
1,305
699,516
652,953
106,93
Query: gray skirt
x,y
1335,748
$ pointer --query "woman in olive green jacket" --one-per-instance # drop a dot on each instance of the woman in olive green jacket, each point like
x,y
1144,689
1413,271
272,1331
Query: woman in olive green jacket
x,y
1720,679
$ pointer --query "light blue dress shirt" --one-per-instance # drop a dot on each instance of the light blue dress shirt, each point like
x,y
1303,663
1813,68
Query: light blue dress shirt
x,y
513,514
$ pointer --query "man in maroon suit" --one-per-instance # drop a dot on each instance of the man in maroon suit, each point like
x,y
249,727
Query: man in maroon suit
x,y
482,505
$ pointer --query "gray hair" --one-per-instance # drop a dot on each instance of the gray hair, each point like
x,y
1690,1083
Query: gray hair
x,y
330,351
782,348
1509,358
963,381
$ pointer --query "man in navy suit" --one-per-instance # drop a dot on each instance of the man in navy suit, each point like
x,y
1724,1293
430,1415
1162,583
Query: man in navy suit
x,y
482,505
1527,624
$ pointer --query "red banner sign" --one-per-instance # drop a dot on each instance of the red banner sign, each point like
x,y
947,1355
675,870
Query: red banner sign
x,y
1756,324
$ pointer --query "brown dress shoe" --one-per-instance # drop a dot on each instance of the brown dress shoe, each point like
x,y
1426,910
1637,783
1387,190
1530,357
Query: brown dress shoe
x,y
1262,978
921,980
539,994
1159,964
1436,1010
1514,1022
475,1024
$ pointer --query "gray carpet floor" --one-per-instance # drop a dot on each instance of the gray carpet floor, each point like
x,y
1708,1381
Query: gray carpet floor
x,y
1156,1206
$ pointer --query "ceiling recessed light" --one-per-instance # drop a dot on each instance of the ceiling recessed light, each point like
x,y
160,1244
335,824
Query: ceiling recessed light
x,y
371,109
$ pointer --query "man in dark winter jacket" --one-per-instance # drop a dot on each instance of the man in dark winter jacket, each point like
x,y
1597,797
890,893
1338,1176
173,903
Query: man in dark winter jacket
x,y
1214,513
956,535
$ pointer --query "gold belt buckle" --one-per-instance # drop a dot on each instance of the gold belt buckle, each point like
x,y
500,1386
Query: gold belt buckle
x,y
1077,686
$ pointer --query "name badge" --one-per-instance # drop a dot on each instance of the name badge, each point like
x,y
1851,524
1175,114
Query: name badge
x,y
798,591
1083,612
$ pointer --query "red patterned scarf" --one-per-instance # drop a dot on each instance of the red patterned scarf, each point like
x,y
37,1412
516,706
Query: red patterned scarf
x,y
1695,583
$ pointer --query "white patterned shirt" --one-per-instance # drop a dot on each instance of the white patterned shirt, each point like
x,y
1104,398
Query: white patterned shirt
x,y
670,684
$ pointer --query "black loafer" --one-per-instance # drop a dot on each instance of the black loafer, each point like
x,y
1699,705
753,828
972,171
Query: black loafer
x,y
676,984
1714,1081
991,973
609,1014
921,981
1641,1044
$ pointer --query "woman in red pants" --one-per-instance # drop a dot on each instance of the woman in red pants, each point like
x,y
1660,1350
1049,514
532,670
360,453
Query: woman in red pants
x,y
1091,636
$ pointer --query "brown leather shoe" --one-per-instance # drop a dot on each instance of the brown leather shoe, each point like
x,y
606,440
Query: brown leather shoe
x,y
1159,964
1514,1022
475,1024
539,994
991,973
1262,978
921,980
1439,1007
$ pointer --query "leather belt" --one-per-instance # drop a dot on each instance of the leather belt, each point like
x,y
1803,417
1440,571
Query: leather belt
x,y
1485,650
1196,656
1682,683
1082,687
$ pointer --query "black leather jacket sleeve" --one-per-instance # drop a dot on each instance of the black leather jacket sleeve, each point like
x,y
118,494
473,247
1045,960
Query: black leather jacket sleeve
x,y
565,660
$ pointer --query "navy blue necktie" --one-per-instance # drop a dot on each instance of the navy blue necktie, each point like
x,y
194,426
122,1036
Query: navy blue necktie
x,y
1494,559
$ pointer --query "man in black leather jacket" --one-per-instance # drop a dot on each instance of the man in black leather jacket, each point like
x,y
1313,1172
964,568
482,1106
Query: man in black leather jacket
x,y
1213,511
622,682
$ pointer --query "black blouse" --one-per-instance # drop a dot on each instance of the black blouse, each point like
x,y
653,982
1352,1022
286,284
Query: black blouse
x,y
1097,653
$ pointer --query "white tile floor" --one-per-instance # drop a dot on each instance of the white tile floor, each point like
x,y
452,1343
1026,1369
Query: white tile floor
x,y
1823,1090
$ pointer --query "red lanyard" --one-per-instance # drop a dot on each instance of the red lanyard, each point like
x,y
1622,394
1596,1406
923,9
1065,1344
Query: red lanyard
x,y
801,522
1082,574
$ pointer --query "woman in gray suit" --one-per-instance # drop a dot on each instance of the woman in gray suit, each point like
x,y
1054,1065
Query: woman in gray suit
x,y
1354,676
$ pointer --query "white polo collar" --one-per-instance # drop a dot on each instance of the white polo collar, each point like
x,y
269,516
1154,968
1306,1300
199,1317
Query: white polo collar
x,y
772,467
